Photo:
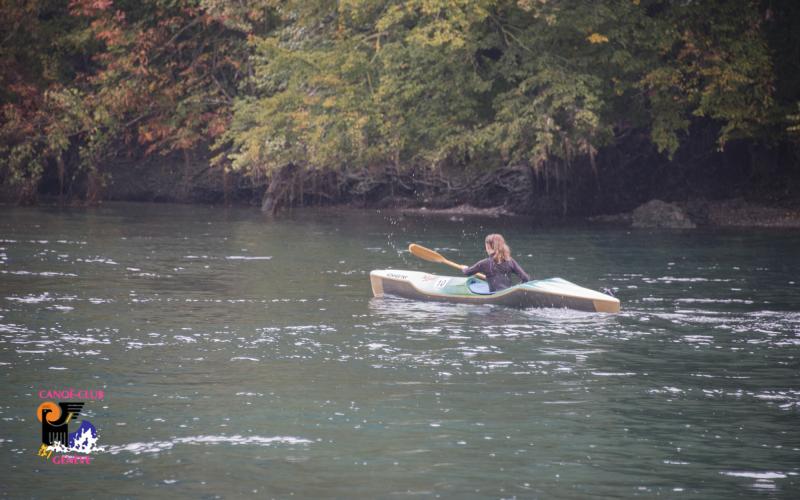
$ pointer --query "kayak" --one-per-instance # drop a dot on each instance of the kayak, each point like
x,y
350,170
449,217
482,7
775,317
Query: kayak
x,y
551,292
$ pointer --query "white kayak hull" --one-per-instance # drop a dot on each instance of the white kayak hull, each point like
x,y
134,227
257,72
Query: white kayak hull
x,y
552,292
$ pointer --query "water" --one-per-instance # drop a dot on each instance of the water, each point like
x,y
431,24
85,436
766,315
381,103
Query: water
x,y
244,355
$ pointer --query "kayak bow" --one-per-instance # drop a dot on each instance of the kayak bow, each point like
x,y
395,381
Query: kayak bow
x,y
552,292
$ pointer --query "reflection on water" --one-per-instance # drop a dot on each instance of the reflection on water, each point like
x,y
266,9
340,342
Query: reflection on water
x,y
244,355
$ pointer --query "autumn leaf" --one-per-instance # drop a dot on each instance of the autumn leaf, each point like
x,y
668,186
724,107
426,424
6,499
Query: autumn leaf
x,y
597,38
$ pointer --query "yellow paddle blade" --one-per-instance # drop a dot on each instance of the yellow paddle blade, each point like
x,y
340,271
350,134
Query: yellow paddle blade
x,y
425,253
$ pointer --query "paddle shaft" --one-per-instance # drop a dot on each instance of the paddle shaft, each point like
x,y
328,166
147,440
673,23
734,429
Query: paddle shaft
x,y
434,256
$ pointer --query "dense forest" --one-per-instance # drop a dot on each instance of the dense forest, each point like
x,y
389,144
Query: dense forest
x,y
545,106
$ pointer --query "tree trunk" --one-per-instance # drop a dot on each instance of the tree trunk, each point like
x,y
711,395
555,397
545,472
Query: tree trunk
x,y
280,187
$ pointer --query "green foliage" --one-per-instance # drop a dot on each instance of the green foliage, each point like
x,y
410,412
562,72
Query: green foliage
x,y
489,81
720,70
88,78
360,83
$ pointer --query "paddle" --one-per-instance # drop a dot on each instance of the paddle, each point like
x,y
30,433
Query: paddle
x,y
433,256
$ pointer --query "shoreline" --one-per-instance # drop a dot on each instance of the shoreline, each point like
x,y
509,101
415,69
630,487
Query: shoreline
x,y
734,213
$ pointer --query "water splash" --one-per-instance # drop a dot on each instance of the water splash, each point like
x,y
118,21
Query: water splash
x,y
83,440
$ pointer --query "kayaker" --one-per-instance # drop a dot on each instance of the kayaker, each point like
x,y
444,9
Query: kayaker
x,y
499,266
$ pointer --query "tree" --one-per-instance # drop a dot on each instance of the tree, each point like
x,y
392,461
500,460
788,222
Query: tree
x,y
160,75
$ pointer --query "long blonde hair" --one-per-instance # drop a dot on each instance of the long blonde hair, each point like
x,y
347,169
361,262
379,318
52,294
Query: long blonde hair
x,y
497,244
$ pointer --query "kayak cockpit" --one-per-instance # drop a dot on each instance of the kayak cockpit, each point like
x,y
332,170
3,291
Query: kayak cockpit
x,y
478,286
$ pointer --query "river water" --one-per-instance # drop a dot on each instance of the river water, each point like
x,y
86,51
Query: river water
x,y
244,355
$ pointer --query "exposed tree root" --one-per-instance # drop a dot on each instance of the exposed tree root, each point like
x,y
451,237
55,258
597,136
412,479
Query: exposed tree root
x,y
513,188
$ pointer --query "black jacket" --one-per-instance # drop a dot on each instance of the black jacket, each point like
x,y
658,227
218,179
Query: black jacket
x,y
498,275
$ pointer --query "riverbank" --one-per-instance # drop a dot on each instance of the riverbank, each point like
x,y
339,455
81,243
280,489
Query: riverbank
x,y
735,212
608,193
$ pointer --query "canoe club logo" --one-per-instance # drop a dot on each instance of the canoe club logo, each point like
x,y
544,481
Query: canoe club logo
x,y
56,418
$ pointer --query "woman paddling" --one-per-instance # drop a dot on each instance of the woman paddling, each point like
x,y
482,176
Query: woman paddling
x,y
498,266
